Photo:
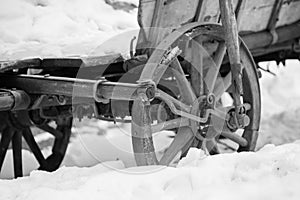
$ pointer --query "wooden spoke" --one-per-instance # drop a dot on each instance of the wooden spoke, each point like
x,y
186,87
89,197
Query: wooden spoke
x,y
182,138
216,122
17,154
219,54
197,68
193,143
210,146
142,134
60,144
171,124
235,137
214,68
56,133
27,134
222,85
16,126
184,85
6,137
219,127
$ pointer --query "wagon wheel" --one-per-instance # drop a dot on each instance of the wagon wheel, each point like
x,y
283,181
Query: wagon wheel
x,y
198,92
15,125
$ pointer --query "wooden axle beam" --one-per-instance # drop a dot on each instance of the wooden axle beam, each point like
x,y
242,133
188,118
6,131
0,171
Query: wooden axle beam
x,y
98,90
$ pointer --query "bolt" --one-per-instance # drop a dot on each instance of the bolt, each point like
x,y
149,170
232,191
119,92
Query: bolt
x,y
242,110
259,73
210,99
150,92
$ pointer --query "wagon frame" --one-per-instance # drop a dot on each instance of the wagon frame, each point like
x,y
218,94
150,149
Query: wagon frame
x,y
183,64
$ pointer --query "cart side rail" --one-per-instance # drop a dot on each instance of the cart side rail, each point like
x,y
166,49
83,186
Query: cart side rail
x,y
253,16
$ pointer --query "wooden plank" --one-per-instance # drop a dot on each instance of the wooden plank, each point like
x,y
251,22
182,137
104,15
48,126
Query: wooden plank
x,y
210,11
19,64
154,32
176,13
6,137
145,14
49,63
72,87
172,14
289,13
255,15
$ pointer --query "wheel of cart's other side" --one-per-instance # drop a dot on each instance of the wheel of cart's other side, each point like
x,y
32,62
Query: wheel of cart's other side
x,y
17,125
193,98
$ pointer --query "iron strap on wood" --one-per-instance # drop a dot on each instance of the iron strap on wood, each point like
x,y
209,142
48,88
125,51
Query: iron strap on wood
x,y
273,20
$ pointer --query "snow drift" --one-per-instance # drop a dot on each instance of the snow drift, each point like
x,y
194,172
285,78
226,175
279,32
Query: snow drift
x,y
273,172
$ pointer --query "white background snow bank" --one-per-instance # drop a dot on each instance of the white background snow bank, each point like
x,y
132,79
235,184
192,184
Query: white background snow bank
x,y
272,173
280,104
56,28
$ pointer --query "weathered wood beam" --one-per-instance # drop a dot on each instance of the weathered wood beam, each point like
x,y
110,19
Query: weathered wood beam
x,y
72,87
265,38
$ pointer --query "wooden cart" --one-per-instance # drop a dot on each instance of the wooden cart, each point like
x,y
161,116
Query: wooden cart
x,y
189,55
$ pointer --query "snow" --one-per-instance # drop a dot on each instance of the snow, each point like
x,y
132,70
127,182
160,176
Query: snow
x,y
57,28
99,163
280,104
273,172
114,143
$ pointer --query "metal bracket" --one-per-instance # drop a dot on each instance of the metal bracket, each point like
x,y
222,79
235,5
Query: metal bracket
x,y
296,46
274,36
273,20
95,92
240,120
49,100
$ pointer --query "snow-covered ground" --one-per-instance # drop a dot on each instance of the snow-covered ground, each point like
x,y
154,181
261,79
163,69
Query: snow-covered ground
x,y
99,163
272,173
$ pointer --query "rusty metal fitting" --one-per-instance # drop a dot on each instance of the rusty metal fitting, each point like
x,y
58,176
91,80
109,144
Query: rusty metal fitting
x,y
150,92
148,88
211,100
146,94
22,100
14,100
97,93
237,74
235,122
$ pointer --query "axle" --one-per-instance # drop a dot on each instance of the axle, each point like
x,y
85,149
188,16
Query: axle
x,y
13,100
64,89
